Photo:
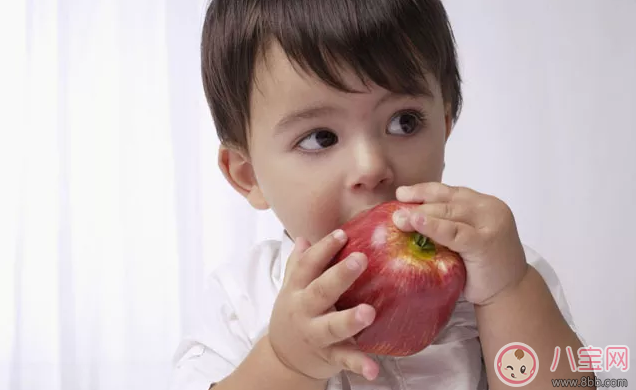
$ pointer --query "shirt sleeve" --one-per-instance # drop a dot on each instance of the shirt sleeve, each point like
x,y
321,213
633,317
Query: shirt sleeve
x,y
554,284
552,280
215,347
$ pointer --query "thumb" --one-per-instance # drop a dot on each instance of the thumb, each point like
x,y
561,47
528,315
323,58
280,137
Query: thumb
x,y
300,246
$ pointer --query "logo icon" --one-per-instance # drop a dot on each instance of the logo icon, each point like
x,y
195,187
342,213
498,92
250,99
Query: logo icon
x,y
516,364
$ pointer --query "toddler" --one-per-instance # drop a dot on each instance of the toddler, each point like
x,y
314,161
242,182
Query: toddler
x,y
324,109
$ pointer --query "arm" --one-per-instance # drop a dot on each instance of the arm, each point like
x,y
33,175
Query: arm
x,y
308,341
262,370
527,313
512,302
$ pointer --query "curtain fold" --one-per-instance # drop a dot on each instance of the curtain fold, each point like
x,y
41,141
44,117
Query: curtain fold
x,y
108,171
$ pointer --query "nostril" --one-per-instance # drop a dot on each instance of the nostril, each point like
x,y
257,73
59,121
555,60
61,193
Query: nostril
x,y
363,184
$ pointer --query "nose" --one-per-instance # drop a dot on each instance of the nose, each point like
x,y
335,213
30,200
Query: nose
x,y
371,166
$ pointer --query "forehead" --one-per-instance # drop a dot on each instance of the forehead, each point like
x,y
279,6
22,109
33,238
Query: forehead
x,y
277,79
280,85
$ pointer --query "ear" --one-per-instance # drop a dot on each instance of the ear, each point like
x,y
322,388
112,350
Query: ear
x,y
238,171
448,119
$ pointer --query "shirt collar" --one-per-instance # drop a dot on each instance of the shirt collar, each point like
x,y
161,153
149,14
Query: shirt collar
x,y
286,248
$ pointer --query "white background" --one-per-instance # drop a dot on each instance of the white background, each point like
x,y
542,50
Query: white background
x,y
550,126
112,209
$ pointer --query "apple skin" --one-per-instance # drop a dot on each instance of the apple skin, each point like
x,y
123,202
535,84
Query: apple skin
x,y
412,288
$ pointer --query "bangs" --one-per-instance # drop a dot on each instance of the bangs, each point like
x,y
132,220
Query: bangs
x,y
394,44
387,42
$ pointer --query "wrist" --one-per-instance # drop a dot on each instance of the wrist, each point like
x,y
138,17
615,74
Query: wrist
x,y
287,369
513,287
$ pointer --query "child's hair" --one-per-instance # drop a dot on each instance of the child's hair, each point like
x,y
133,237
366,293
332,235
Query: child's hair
x,y
392,43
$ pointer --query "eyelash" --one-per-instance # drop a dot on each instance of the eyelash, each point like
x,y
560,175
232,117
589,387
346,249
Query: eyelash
x,y
417,113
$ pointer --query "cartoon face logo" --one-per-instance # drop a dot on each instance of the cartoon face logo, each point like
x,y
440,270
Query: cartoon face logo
x,y
516,364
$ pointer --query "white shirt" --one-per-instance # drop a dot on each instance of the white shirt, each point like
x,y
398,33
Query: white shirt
x,y
237,306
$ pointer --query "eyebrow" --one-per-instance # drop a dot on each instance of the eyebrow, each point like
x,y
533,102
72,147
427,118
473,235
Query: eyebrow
x,y
305,114
326,109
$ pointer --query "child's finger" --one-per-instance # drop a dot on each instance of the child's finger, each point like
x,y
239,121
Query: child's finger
x,y
452,211
456,236
401,219
323,292
314,260
354,360
431,192
338,326
300,246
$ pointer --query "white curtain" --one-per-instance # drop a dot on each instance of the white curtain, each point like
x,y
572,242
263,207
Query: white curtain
x,y
112,209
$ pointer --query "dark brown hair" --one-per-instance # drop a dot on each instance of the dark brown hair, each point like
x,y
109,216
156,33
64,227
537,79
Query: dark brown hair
x,y
392,43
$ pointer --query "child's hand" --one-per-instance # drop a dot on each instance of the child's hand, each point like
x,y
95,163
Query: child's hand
x,y
306,332
479,227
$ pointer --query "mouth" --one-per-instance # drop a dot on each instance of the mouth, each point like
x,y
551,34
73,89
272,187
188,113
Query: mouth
x,y
513,376
361,211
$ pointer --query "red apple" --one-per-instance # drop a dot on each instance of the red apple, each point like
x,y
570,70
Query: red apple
x,y
412,282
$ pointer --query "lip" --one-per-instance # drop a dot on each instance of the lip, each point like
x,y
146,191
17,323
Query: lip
x,y
364,209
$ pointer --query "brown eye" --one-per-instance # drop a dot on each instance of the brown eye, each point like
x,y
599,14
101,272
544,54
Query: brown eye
x,y
318,140
405,123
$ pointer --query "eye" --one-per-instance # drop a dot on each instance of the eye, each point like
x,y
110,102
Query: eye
x,y
318,140
523,369
510,367
405,123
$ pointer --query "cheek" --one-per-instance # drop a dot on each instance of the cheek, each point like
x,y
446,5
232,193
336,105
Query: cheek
x,y
307,207
419,161
312,217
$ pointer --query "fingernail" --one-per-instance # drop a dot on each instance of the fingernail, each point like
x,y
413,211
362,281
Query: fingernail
x,y
364,315
400,218
340,235
418,219
355,261
402,192
368,373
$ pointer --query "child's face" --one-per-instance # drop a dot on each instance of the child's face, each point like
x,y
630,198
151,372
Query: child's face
x,y
351,152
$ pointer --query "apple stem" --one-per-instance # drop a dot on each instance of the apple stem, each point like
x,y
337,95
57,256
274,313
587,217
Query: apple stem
x,y
420,240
